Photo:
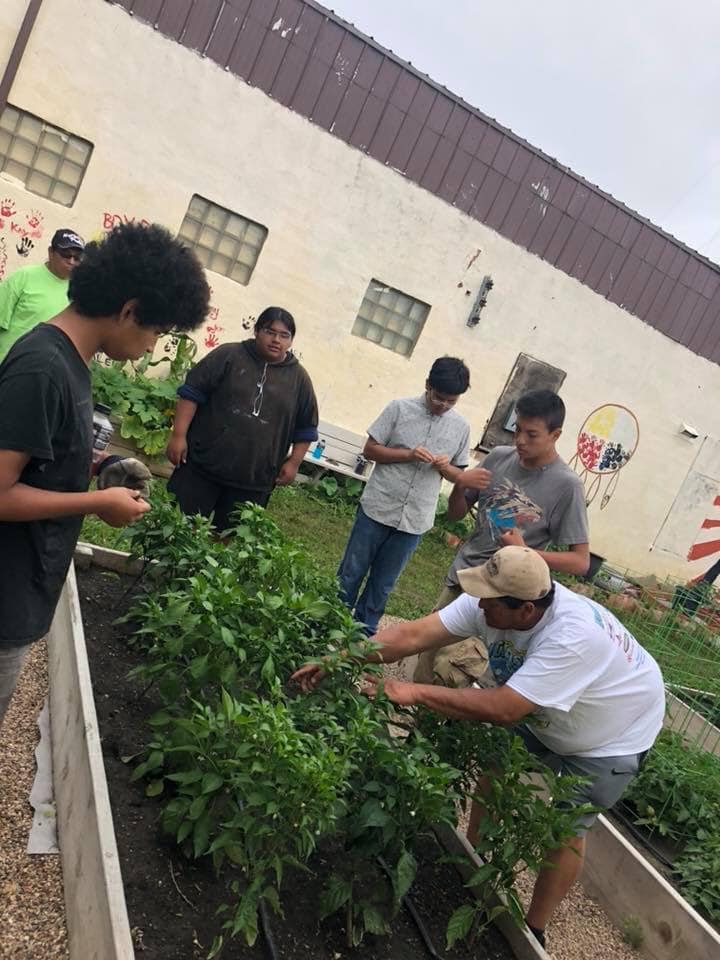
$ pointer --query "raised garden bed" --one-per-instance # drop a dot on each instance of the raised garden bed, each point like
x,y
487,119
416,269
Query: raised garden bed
x,y
172,901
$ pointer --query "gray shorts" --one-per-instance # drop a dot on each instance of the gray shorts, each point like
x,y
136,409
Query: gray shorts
x,y
609,776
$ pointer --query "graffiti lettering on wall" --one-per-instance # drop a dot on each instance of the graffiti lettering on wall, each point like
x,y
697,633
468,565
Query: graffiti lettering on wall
x,y
24,228
111,220
706,548
605,444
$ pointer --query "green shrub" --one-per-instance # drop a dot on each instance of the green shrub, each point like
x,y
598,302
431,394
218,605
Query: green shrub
x,y
145,405
255,776
677,794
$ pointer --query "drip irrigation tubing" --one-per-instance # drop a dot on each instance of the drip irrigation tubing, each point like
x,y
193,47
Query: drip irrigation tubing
x,y
267,930
627,822
417,919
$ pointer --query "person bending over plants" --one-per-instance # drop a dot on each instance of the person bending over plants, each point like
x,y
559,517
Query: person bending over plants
x,y
582,693
240,409
131,288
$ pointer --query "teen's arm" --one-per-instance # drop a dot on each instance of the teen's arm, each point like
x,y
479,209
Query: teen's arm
x,y
19,502
501,705
177,447
10,291
397,641
382,454
575,560
305,432
289,469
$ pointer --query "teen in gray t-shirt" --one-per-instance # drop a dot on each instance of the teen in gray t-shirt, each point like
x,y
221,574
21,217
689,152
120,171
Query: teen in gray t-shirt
x,y
533,499
554,512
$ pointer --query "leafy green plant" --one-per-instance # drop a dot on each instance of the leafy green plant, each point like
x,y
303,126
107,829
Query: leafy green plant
x,y
145,404
677,794
632,930
518,827
698,873
256,777
250,790
458,528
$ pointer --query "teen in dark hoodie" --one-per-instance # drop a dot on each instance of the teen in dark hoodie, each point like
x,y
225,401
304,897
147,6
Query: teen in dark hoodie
x,y
240,410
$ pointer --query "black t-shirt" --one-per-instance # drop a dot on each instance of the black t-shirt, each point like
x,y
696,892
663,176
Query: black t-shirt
x,y
46,412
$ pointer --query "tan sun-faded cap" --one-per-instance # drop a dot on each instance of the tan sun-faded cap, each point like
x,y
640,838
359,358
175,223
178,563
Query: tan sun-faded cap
x,y
517,572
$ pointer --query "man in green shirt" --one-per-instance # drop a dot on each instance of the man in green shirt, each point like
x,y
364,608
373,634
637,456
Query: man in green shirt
x,y
34,294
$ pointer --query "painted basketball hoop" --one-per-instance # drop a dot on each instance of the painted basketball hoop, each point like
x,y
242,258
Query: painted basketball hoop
x,y
605,444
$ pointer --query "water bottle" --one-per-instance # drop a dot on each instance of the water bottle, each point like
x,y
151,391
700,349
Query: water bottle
x,y
318,449
102,430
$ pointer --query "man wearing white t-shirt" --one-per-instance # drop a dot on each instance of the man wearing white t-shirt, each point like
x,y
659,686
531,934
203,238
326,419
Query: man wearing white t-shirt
x,y
594,696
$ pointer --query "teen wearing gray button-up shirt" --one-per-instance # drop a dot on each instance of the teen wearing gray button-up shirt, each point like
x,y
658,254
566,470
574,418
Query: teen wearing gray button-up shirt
x,y
415,442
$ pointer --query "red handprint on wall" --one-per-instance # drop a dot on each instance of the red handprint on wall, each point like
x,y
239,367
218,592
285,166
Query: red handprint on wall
x,y
7,210
34,222
211,335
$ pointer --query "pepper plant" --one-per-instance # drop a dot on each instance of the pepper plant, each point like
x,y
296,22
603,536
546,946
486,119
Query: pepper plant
x,y
258,777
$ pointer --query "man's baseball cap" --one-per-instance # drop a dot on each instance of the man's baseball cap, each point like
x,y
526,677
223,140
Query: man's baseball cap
x,y
67,240
517,572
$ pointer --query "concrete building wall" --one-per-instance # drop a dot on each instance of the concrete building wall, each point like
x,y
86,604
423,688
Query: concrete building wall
x,y
167,124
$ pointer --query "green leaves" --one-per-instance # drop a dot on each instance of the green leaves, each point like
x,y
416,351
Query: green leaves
x,y
146,404
252,775
336,894
404,874
460,924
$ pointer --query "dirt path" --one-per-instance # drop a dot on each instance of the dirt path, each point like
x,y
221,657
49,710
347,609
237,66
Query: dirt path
x,y
32,910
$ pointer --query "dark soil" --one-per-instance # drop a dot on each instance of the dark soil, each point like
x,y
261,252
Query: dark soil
x,y
172,902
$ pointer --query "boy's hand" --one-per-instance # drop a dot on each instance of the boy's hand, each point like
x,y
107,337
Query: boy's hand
x,y
475,478
421,455
122,506
512,538
288,472
176,451
308,676
398,691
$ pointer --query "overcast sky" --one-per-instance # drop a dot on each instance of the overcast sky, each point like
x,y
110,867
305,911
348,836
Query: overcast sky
x,y
626,92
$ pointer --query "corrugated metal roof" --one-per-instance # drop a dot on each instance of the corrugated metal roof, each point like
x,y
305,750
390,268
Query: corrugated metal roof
x,y
315,63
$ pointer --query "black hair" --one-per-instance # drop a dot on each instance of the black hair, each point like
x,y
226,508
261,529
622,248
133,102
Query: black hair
x,y
143,262
544,404
542,603
449,375
272,314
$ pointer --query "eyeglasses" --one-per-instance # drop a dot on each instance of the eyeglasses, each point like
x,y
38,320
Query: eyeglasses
x,y
75,255
272,333
440,399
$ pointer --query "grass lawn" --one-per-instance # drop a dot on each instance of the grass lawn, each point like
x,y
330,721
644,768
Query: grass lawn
x,y
321,527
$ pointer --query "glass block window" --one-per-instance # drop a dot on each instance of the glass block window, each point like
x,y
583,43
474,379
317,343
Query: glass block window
x,y
225,242
49,161
390,318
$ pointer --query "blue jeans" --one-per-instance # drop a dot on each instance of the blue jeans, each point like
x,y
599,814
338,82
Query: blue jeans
x,y
380,552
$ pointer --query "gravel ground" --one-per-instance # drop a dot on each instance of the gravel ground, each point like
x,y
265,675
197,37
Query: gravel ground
x,y
580,929
32,911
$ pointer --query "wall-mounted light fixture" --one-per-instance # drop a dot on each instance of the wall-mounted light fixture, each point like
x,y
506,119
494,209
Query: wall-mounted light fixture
x,y
687,431
480,301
